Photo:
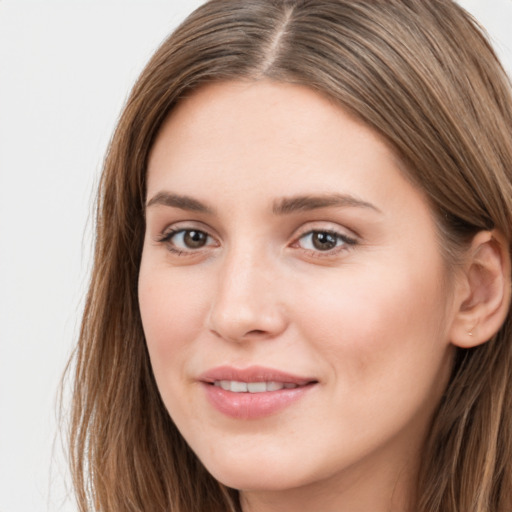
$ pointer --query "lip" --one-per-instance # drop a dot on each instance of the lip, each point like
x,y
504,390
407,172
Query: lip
x,y
253,374
253,405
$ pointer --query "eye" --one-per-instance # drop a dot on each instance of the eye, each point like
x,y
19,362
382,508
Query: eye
x,y
186,240
324,241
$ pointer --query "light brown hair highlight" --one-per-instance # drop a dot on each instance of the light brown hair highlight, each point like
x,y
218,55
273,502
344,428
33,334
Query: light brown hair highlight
x,y
422,74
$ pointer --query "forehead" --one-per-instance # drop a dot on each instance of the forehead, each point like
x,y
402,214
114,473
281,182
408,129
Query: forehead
x,y
253,130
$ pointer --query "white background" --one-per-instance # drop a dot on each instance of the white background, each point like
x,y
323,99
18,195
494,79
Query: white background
x,y
65,71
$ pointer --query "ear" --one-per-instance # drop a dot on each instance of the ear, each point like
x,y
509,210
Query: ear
x,y
483,291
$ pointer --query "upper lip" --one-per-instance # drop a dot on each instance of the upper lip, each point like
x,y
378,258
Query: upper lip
x,y
253,374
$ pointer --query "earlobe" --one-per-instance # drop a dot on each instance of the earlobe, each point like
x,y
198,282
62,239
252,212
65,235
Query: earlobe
x,y
484,293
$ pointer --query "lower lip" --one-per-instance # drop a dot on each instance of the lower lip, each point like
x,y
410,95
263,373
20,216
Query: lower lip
x,y
249,406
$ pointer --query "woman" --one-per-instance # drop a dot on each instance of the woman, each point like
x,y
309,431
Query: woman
x,y
301,290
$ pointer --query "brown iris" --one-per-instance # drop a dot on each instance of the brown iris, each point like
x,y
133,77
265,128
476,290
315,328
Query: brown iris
x,y
324,241
194,239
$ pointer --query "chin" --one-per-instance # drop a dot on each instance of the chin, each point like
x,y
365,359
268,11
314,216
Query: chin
x,y
256,476
251,481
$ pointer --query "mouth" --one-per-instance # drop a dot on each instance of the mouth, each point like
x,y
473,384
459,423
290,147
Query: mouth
x,y
253,379
253,392
236,386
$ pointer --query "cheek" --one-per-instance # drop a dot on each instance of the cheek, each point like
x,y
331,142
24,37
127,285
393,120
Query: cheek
x,y
379,328
172,312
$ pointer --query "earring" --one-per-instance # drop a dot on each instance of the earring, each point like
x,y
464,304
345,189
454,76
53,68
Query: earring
x,y
470,330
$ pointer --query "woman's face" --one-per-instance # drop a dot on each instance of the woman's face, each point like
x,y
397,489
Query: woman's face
x,y
292,291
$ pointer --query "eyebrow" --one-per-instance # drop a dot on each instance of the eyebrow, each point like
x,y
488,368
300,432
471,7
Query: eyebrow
x,y
179,201
294,204
284,206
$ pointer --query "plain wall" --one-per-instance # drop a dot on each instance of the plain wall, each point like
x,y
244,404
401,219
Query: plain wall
x,y
66,68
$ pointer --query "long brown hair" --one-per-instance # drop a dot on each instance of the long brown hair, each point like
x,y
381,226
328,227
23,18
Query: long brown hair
x,y
419,72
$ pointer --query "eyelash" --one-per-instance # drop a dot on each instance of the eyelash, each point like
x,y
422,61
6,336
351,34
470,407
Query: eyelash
x,y
167,237
343,242
346,242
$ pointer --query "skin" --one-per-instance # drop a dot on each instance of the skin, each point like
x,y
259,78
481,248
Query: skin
x,y
369,319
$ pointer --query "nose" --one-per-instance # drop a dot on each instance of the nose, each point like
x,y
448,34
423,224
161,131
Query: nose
x,y
247,301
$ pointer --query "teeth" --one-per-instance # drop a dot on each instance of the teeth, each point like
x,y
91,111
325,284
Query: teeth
x,y
256,387
238,387
252,387
274,386
225,384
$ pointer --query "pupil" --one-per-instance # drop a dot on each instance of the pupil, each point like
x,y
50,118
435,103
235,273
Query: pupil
x,y
324,241
195,239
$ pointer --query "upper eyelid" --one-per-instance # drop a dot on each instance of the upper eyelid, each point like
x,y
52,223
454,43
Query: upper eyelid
x,y
186,225
174,231
325,226
347,239
330,231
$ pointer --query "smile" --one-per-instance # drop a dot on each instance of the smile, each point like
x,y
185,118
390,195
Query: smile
x,y
254,392
253,387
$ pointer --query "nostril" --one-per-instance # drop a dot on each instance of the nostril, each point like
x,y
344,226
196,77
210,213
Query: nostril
x,y
236,321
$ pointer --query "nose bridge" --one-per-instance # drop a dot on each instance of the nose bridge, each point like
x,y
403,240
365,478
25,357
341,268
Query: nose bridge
x,y
246,302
